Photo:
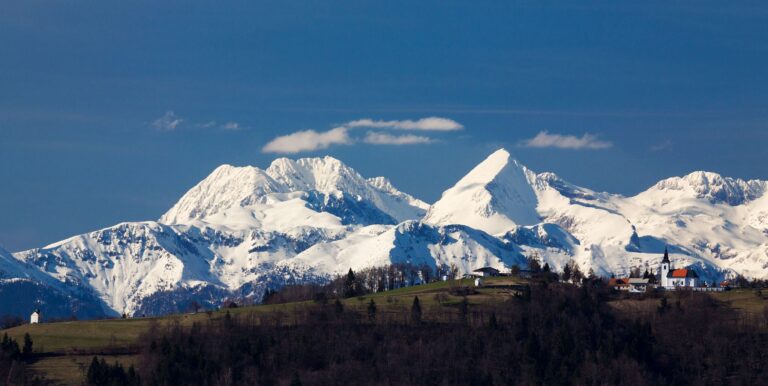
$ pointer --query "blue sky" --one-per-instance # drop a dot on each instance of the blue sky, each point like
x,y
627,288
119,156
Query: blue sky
x,y
637,92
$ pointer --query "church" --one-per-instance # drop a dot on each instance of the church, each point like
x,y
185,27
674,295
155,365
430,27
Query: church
x,y
677,278
35,317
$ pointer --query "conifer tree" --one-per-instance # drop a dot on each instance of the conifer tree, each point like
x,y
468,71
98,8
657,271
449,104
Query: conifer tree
x,y
372,310
576,274
566,276
416,310
27,348
493,323
464,309
350,289
338,307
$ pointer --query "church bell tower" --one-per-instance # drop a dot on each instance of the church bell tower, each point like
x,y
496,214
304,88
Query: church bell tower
x,y
665,266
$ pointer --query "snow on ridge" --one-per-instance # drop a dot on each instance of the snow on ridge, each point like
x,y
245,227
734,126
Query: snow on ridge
x,y
713,187
243,195
225,187
243,228
383,184
616,233
494,196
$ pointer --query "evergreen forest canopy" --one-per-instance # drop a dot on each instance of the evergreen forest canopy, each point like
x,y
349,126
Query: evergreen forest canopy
x,y
549,334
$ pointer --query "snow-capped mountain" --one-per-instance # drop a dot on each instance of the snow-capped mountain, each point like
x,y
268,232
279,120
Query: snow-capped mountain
x,y
714,222
231,235
494,197
322,192
242,230
412,242
23,288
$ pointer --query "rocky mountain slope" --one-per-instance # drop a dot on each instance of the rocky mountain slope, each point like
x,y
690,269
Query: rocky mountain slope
x,y
230,236
243,229
713,222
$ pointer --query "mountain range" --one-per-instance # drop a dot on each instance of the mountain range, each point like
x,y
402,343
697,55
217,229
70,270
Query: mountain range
x,y
243,230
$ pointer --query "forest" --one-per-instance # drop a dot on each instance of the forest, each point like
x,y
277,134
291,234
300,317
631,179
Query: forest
x,y
551,334
13,362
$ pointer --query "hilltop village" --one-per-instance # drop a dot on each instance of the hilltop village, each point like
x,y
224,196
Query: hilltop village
x,y
668,278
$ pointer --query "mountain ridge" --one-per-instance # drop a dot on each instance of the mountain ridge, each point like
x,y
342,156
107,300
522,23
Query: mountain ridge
x,y
242,230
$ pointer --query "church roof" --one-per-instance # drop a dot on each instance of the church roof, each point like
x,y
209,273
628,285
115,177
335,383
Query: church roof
x,y
679,273
486,269
617,281
666,256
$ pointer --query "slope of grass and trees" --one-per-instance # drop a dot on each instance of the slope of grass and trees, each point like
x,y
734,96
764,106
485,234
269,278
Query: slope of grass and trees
x,y
512,330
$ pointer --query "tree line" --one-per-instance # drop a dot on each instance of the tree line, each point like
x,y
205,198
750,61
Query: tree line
x,y
558,334
361,282
14,359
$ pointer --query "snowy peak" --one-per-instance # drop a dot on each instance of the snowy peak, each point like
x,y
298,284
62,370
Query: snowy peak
x,y
495,196
384,185
297,189
496,166
381,183
244,229
227,186
711,187
325,175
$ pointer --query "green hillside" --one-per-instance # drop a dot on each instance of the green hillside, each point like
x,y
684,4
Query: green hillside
x,y
66,348
63,350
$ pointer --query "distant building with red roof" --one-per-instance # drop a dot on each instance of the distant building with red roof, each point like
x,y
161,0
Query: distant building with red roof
x,y
677,278
619,283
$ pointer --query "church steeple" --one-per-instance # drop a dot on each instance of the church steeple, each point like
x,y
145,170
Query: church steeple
x,y
665,267
666,256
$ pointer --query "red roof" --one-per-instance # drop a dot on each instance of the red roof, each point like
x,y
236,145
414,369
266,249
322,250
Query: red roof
x,y
614,282
680,273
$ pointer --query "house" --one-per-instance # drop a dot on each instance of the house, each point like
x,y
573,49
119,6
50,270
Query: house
x,y
677,278
638,285
486,272
621,284
35,317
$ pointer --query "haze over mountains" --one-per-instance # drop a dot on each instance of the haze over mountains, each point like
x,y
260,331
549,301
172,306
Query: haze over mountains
x,y
243,229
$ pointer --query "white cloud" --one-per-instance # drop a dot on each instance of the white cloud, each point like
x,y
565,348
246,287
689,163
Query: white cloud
x,y
310,140
207,125
307,140
389,139
231,126
430,123
168,122
586,142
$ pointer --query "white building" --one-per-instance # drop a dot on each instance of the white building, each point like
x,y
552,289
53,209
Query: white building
x,y
677,278
486,272
638,285
35,317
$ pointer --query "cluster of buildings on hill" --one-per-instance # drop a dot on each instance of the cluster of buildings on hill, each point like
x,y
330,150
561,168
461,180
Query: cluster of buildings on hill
x,y
670,279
